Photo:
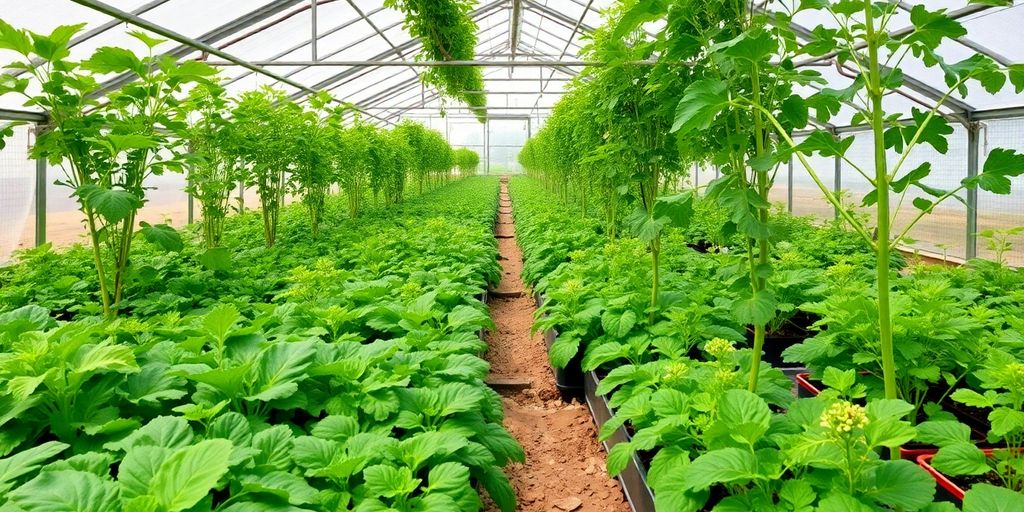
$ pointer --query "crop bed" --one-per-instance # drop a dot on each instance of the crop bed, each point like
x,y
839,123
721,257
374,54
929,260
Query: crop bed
x,y
340,373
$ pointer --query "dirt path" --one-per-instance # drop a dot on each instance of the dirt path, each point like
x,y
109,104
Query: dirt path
x,y
564,469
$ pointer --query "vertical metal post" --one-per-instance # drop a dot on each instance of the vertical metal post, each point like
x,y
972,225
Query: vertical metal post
x,y
40,201
191,217
973,157
313,39
487,145
789,187
839,180
241,196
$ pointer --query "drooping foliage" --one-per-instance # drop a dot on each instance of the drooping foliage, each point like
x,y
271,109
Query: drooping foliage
x,y
448,33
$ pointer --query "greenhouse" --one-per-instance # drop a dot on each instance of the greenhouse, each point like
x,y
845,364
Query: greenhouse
x,y
511,255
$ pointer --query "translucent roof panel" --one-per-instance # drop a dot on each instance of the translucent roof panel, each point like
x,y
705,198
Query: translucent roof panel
x,y
279,35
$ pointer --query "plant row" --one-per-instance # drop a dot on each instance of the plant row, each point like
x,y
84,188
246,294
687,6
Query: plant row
x,y
679,383
340,374
748,102
173,116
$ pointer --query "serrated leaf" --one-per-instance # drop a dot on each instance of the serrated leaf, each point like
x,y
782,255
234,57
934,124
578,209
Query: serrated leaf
x,y
162,236
723,466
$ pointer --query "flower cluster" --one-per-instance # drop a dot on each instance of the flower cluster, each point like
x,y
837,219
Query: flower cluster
x,y
719,348
842,417
675,371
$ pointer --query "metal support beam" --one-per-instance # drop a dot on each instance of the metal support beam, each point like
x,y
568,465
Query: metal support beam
x,y
40,201
408,45
7,114
558,16
533,63
189,44
515,27
314,38
973,160
487,144
89,34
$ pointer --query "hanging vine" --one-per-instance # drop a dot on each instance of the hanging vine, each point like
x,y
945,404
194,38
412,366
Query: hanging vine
x,y
447,33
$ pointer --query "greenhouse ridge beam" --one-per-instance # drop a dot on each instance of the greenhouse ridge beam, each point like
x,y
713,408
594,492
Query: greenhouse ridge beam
x,y
189,42
429,63
515,27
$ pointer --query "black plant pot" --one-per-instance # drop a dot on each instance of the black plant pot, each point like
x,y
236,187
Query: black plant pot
x,y
634,477
568,380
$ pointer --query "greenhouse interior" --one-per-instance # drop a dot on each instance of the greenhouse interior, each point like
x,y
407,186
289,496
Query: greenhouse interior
x,y
511,255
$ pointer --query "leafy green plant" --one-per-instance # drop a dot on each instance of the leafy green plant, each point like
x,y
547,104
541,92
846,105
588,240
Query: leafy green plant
x,y
266,138
860,39
212,172
1003,397
108,149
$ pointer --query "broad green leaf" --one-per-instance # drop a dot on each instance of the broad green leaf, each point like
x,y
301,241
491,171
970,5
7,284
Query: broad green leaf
x,y
1006,421
825,144
275,447
140,465
943,433
216,258
464,316
903,485
563,350
314,452
280,367
165,431
389,481
114,205
619,457
26,461
14,39
336,428
284,485
724,466
66,491
989,498
163,236
756,310
962,458
700,105
109,59
448,477
189,474
498,487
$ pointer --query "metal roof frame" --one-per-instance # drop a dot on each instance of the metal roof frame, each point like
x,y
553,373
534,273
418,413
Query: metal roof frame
x,y
508,49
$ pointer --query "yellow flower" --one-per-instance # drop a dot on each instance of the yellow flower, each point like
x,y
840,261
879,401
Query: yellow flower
x,y
675,371
843,417
719,348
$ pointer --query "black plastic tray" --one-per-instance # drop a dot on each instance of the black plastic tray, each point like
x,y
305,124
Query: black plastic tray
x,y
634,477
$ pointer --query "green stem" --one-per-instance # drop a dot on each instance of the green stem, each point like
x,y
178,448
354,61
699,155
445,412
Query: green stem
x,y
875,93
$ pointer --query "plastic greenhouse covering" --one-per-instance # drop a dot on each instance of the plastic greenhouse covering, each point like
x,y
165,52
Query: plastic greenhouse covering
x,y
299,39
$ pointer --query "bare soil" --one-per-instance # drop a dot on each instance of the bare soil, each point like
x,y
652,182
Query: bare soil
x,y
565,465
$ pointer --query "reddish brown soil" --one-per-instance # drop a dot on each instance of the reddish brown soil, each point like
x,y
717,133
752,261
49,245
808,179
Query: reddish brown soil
x,y
564,469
